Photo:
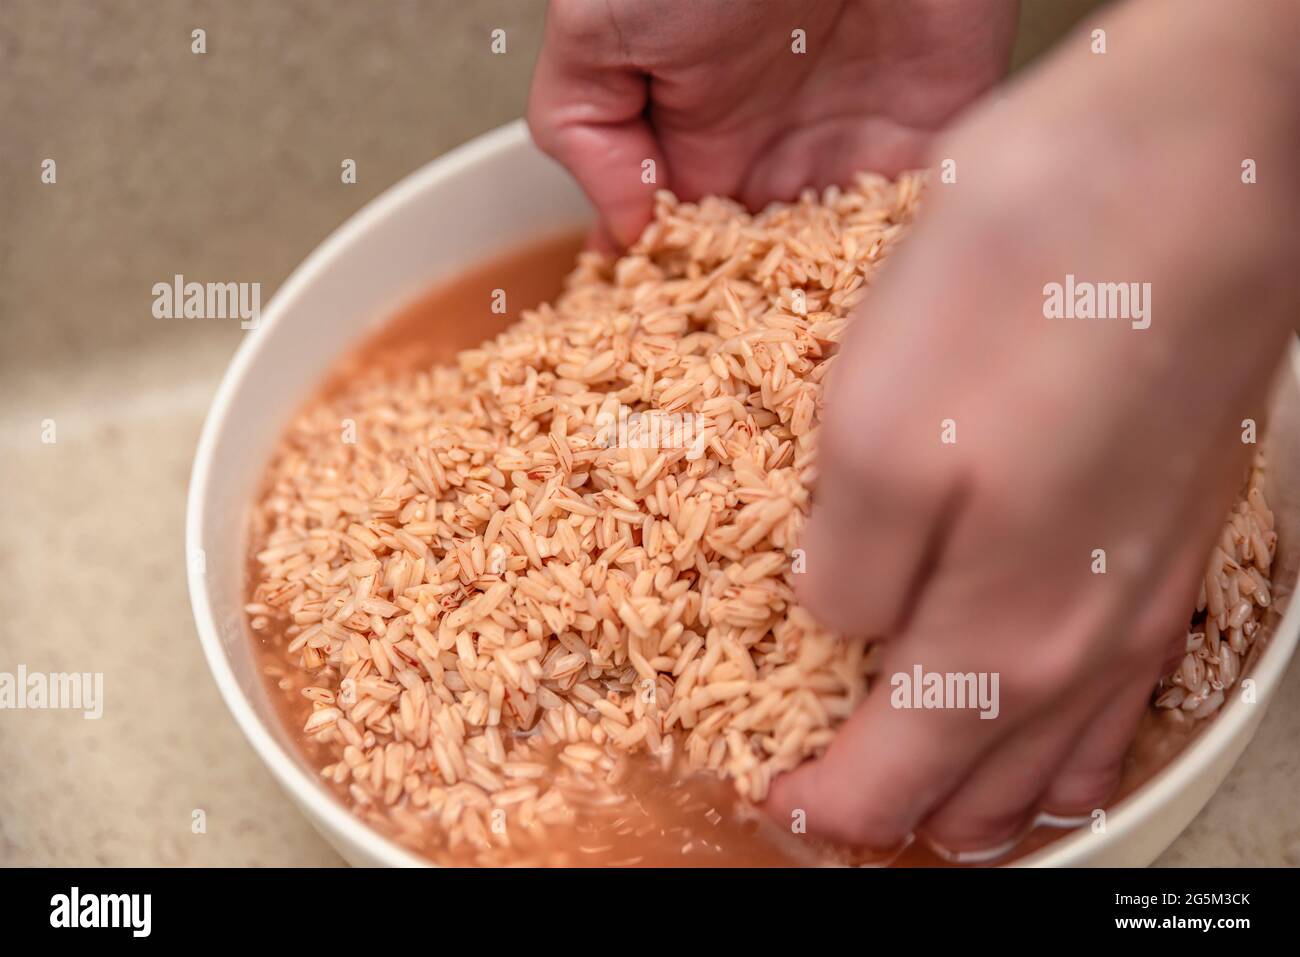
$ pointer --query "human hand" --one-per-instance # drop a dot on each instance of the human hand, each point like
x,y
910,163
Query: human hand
x,y
713,93
1071,434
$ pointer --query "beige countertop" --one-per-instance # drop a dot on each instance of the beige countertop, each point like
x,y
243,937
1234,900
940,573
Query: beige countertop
x,y
226,166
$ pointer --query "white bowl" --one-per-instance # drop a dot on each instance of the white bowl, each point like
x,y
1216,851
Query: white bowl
x,y
493,194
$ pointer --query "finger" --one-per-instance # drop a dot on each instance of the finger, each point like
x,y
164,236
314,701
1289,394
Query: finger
x,y
996,804
832,153
884,493
600,240
1092,770
886,769
867,548
589,114
887,486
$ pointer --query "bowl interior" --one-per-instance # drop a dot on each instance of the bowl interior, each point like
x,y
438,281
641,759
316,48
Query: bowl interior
x,y
493,194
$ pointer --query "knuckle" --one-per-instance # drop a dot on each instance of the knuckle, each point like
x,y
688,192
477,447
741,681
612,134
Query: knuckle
x,y
1084,788
580,21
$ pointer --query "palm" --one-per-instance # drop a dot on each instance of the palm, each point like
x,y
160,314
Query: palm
x,y
756,120
715,93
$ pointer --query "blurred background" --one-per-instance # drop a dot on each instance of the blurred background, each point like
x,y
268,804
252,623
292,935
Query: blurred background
x,y
225,166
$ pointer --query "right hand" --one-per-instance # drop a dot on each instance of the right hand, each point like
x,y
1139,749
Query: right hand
x,y
977,556
712,92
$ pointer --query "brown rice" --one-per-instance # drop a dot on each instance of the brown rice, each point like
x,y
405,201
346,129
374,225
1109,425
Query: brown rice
x,y
499,597
1234,597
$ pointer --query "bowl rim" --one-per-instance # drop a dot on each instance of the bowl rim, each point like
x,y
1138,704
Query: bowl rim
x,y
334,820
321,807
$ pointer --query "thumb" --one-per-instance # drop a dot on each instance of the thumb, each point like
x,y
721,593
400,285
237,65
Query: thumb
x,y
591,118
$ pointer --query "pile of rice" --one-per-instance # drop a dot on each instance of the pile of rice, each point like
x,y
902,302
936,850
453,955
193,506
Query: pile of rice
x,y
1230,608
492,575
500,595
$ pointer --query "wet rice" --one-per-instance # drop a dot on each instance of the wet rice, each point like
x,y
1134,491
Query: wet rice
x,y
498,598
